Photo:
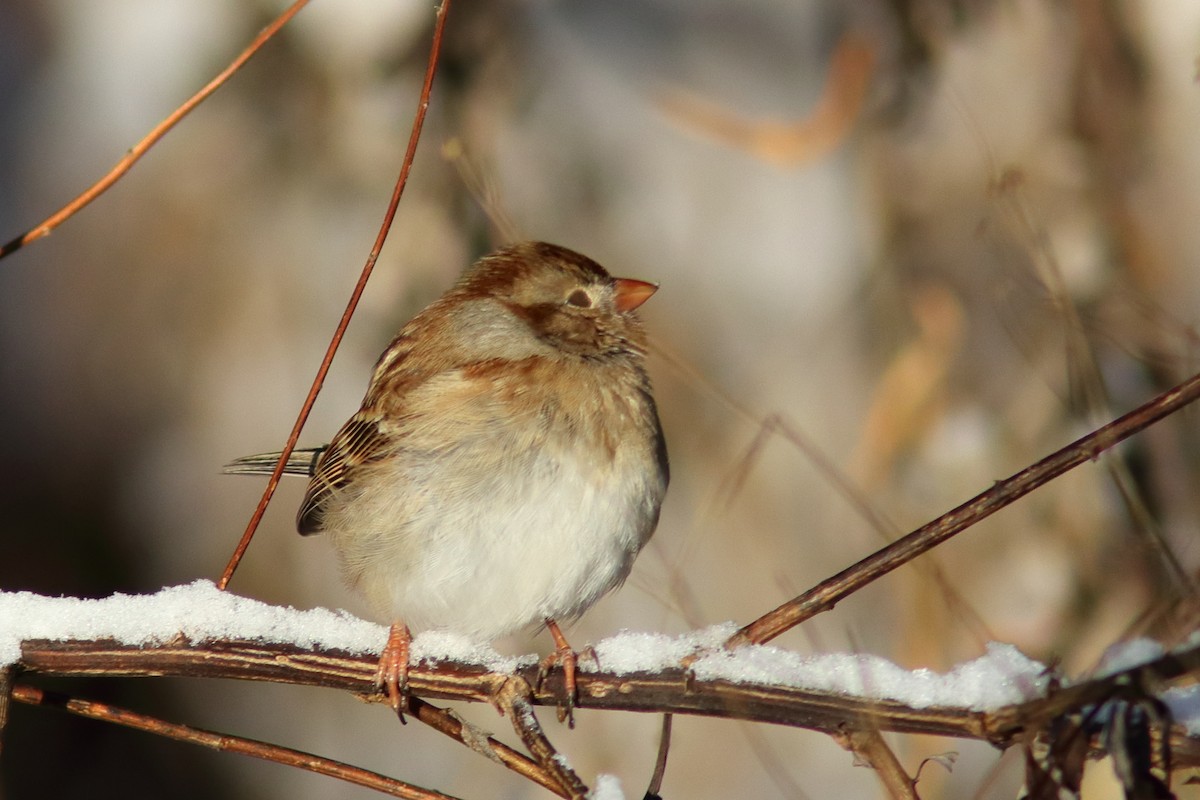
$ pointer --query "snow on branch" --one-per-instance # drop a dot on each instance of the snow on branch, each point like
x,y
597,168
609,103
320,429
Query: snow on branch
x,y
197,630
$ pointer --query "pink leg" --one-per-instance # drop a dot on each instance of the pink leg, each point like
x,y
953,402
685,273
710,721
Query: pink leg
x,y
392,675
564,656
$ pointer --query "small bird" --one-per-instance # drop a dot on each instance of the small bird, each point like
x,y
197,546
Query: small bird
x,y
507,464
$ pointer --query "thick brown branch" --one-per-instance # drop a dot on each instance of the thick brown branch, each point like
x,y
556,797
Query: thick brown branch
x,y
672,690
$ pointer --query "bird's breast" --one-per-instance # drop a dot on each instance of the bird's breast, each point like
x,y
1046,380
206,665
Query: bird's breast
x,y
506,503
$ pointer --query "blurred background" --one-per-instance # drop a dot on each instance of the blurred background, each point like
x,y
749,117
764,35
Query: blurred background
x,y
905,246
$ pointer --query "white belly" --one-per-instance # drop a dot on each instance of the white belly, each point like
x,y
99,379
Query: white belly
x,y
487,549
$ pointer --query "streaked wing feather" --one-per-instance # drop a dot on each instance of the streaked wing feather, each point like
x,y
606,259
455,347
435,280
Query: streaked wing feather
x,y
358,442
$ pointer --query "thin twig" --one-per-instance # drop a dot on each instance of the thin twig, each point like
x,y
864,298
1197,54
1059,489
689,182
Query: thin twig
x,y
513,699
7,674
867,743
368,268
831,591
660,763
225,743
450,724
138,150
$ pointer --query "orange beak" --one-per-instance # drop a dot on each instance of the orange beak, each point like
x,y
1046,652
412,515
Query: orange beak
x,y
632,293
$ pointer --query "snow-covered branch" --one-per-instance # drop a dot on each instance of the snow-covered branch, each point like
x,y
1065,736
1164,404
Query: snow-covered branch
x,y
197,631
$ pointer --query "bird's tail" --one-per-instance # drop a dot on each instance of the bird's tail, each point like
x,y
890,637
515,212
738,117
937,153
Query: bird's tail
x,y
302,461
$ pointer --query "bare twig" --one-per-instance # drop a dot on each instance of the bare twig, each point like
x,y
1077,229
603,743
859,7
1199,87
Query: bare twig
x,y
368,268
660,763
138,150
226,743
514,699
867,744
450,724
829,592
6,687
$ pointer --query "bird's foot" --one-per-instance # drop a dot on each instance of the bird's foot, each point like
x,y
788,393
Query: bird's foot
x,y
392,675
565,657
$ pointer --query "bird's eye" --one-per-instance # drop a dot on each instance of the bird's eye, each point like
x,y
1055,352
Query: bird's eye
x,y
580,299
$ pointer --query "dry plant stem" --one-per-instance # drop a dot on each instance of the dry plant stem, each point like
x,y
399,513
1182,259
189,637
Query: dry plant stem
x,y
660,763
443,721
223,742
368,267
867,743
138,150
830,592
790,144
1087,380
514,700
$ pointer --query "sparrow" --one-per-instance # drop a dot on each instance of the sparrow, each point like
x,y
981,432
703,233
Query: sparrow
x,y
507,464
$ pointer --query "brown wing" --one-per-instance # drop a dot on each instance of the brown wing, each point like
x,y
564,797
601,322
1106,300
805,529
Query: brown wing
x,y
358,442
